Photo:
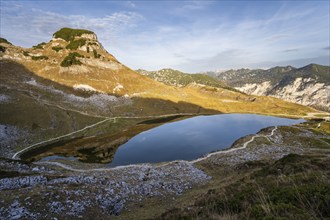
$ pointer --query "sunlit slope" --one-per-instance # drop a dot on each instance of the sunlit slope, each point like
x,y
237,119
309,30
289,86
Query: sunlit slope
x,y
76,59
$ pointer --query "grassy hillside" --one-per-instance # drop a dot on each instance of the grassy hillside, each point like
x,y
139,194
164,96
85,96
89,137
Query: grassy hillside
x,y
105,74
294,187
35,109
180,79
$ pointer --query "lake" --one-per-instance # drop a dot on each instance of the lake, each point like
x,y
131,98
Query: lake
x,y
192,138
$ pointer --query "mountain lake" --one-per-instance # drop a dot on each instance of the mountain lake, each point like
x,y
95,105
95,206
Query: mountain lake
x,y
192,138
189,139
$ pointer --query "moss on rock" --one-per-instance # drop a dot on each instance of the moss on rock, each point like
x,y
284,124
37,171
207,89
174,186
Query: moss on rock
x,y
73,45
71,59
68,34
57,48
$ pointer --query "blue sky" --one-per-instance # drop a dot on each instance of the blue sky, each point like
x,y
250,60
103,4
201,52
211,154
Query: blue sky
x,y
191,36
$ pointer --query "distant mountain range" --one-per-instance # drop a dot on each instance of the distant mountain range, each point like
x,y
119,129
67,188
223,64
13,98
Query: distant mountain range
x,y
309,85
179,79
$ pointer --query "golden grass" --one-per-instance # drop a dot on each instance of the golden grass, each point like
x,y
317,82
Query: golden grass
x,y
134,84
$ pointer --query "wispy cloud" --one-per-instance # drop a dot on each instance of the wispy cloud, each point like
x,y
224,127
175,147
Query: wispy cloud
x,y
130,4
231,45
195,5
39,25
276,37
188,35
291,50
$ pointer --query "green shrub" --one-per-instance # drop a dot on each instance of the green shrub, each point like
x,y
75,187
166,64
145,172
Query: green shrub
x,y
3,40
96,55
68,34
73,45
39,58
25,53
92,43
57,48
2,49
39,46
71,59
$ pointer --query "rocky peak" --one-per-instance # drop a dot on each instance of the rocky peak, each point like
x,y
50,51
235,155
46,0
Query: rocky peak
x,y
79,40
92,37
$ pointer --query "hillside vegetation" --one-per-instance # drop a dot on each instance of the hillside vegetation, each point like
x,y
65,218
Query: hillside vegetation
x,y
3,40
69,34
180,79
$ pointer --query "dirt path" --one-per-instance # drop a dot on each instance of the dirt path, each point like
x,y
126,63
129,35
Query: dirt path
x,y
235,149
15,156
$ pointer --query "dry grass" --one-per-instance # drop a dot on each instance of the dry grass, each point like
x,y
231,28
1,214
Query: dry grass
x,y
106,78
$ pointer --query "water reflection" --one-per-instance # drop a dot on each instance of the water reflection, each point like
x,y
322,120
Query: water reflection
x,y
191,138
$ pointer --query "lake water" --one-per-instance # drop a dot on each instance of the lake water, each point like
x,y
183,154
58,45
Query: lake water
x,y
192,138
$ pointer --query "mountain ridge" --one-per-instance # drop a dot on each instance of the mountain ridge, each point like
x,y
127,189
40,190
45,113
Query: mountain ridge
x,y
177,78
308,85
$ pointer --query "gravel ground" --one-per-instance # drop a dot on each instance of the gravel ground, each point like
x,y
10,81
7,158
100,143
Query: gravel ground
x,y
71,194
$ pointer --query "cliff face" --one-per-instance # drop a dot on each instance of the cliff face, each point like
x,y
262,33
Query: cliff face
x,y
309,85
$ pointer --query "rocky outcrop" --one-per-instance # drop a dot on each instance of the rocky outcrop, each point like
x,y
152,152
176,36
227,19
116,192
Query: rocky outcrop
x,y
309,85
89,36
78,194
304,91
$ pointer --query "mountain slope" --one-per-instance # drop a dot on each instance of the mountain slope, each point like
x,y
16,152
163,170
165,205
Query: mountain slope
x,y
309,85
74,58
180,79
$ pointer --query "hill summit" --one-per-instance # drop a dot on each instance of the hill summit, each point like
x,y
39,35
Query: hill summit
x,y
69,34
81,39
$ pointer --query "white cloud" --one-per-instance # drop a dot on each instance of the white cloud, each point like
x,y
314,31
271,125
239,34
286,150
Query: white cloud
x,y
37,25
130,4
197,44
206,46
